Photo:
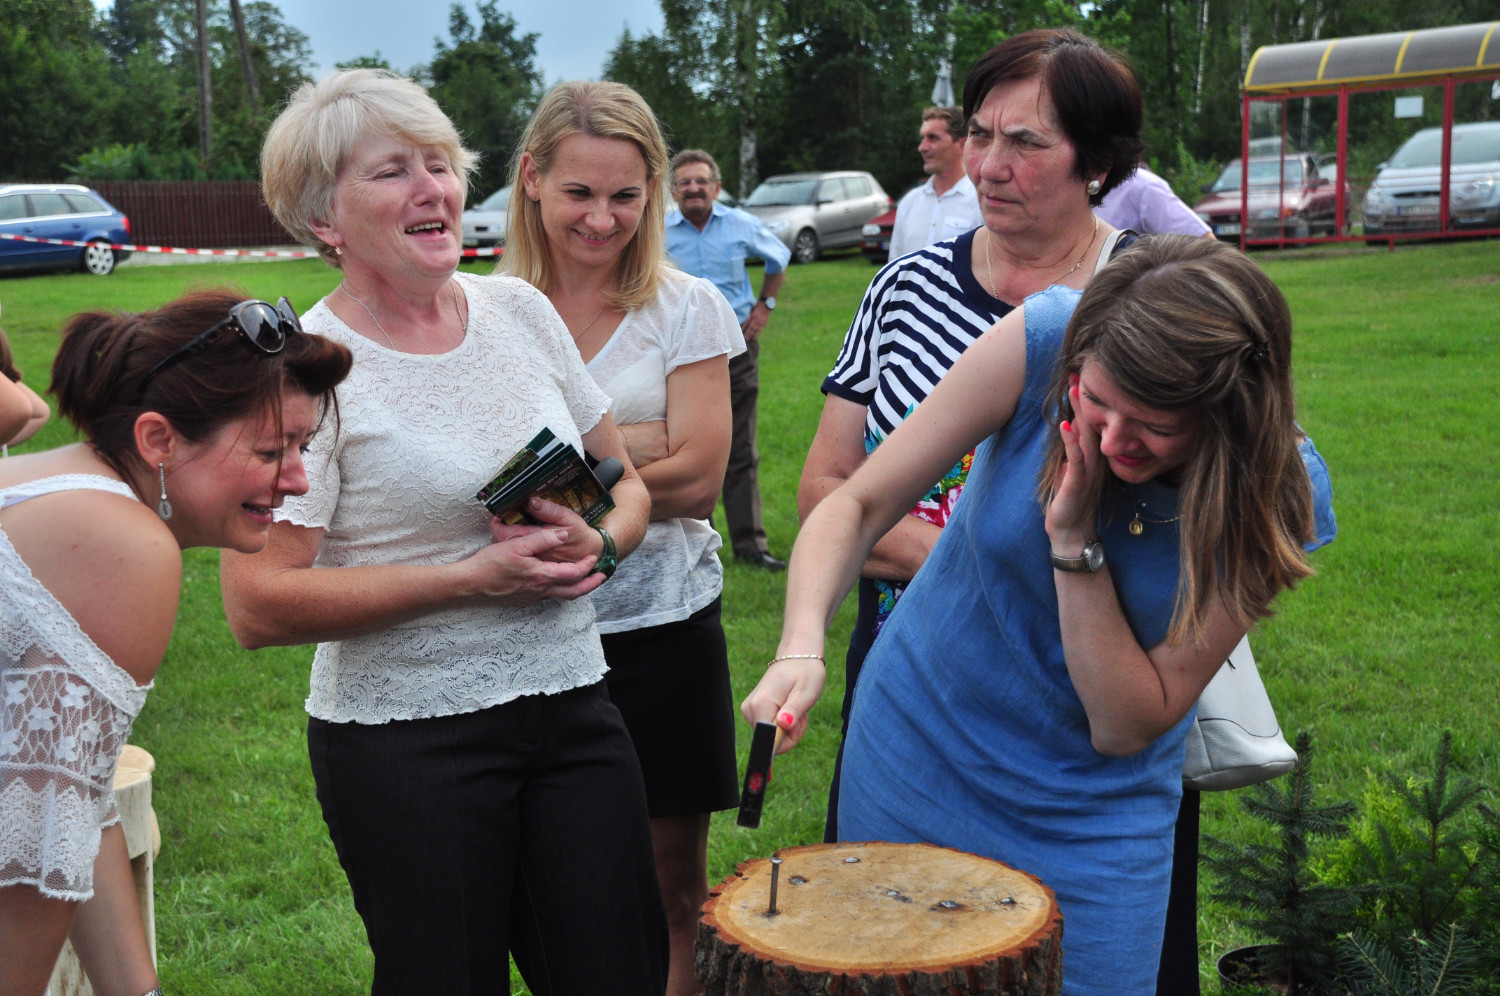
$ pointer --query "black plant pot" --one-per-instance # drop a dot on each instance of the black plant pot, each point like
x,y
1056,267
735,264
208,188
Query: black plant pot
x,y
1241,967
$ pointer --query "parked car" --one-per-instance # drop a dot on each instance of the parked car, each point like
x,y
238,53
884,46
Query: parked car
x,y
1307,204
811,212
60,211
1404,194
875,238
484,223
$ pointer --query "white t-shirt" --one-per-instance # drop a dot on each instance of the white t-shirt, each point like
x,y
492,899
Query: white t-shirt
x,y
675,571
922,217
419,436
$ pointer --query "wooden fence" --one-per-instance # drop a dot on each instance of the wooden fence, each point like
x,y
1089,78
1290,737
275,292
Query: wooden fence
x,y
196,215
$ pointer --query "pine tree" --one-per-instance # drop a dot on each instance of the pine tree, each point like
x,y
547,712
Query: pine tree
x,y
1273,887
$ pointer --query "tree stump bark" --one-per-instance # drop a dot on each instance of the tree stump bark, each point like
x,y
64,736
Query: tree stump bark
x,y
880,919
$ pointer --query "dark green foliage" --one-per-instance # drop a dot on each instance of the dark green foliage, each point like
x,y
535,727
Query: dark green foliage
x,y
487,82
1440,966
1425,871
1272,886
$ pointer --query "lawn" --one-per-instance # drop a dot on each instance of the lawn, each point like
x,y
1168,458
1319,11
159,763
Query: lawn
x,y
1394,640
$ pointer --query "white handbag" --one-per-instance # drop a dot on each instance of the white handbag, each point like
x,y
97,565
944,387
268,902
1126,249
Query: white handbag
x,y
1235,740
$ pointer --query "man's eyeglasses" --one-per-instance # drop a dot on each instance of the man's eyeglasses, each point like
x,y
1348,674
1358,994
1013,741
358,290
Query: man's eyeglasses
x,y
264,326
685,184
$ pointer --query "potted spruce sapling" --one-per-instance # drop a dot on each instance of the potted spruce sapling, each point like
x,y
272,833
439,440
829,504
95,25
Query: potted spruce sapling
x,y
1274,890
1429,851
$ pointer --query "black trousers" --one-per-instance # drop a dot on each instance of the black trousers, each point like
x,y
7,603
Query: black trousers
x,y
520,829
747,534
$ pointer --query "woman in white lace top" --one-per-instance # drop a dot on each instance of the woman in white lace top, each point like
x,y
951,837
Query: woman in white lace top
x,y
478,785
587,228
194,417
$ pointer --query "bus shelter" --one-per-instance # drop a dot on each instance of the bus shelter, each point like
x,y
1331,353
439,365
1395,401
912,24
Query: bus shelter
x,y
1378,138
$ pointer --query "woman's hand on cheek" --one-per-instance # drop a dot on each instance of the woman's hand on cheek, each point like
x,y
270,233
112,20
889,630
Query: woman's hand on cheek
x,y
1071,513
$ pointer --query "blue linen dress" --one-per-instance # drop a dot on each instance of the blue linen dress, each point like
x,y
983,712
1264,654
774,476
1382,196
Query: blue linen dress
x,y
967,732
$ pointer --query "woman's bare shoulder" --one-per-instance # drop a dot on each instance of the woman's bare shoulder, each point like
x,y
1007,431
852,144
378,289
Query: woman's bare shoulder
x,y
111,563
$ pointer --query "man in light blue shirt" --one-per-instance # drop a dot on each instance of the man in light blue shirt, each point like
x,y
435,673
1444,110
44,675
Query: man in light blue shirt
x,y
709,240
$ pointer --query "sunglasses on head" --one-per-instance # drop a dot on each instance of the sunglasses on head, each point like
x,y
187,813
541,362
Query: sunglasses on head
x,y
264,326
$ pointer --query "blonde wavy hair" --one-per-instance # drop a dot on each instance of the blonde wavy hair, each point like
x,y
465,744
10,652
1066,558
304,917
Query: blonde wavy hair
x,y
1190,325
312,139
605,110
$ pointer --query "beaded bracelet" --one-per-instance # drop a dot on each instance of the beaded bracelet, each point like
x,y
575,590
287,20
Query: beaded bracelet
x,y
798,657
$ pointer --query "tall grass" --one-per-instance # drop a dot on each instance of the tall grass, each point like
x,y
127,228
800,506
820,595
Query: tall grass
x,y
1394,640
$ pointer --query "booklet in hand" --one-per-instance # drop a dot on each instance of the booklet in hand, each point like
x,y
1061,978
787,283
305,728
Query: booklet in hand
x,y
547,468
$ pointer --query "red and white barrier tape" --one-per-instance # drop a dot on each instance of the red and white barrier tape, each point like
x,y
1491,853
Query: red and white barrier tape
x,y
175,251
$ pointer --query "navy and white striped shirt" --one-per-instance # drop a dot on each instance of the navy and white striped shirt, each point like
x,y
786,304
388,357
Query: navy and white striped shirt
x,y
917,317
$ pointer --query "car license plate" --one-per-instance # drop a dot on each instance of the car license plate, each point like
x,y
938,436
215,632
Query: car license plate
x,y
1228,229
1417,210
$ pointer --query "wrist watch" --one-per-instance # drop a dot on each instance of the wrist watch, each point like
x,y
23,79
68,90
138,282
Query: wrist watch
x,y
607,561
1089,563
769,302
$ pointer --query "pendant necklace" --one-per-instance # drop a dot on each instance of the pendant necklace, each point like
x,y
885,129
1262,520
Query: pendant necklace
x,y
1137,525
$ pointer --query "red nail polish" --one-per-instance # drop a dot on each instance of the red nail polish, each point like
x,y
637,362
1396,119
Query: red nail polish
x,y
786,720
1064,426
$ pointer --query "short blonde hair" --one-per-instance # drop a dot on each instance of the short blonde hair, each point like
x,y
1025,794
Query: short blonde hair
x,y
312,139
605,110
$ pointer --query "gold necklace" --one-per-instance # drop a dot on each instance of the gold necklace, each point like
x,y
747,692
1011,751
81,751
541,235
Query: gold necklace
x,y
1138,524
989,266
578,336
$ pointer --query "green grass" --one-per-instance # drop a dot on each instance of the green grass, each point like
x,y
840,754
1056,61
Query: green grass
x,y
1393,641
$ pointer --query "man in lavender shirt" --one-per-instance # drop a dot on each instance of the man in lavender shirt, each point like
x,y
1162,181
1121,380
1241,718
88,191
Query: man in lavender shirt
x,y
1145,204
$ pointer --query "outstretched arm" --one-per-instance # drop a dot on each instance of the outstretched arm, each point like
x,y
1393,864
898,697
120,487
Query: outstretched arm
x,y
837,451
977,397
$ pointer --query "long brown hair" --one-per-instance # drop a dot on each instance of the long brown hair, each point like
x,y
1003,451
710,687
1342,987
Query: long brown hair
x,y
1191,325
98,369
606,110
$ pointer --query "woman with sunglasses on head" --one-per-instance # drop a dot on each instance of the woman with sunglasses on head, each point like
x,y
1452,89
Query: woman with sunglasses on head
x,y
194,418
587,227
1137,500
479,787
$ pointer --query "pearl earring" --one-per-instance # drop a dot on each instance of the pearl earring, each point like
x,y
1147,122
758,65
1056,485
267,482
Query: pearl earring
x,y
163,507
1093,187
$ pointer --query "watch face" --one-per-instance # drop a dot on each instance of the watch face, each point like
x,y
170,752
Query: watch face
x,y
1094,553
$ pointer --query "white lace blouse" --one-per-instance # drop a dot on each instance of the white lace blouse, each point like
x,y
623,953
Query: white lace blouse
x,y
675,571
65,713
419,435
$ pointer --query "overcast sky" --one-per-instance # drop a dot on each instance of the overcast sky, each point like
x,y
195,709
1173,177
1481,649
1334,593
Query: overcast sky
x,y
575,35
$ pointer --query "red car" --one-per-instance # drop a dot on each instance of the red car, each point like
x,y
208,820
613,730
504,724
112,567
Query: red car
x,y
875,238
1306,206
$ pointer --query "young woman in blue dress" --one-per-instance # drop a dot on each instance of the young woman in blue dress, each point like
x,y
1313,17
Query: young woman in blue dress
x,y
1136,502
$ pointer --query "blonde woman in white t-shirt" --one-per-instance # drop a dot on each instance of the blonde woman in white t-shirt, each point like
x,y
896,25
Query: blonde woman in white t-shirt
x,y
480,789
587,229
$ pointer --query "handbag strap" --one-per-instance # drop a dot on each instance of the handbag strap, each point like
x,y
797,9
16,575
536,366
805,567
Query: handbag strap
x,y
1116,241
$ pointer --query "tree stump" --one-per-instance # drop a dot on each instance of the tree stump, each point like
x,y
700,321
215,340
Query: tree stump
x,y
880,919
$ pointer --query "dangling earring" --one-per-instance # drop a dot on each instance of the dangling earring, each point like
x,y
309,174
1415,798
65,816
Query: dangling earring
x,y
1093,187
338,250
163,507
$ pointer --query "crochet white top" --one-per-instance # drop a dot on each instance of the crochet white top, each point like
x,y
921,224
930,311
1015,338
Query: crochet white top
x,y
418,437
675,571
65,714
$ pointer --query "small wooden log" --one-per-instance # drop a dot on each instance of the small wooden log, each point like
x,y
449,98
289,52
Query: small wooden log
x,y
880,919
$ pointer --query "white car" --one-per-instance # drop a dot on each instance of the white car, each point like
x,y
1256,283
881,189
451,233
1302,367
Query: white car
x,y
484,223
1405,193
